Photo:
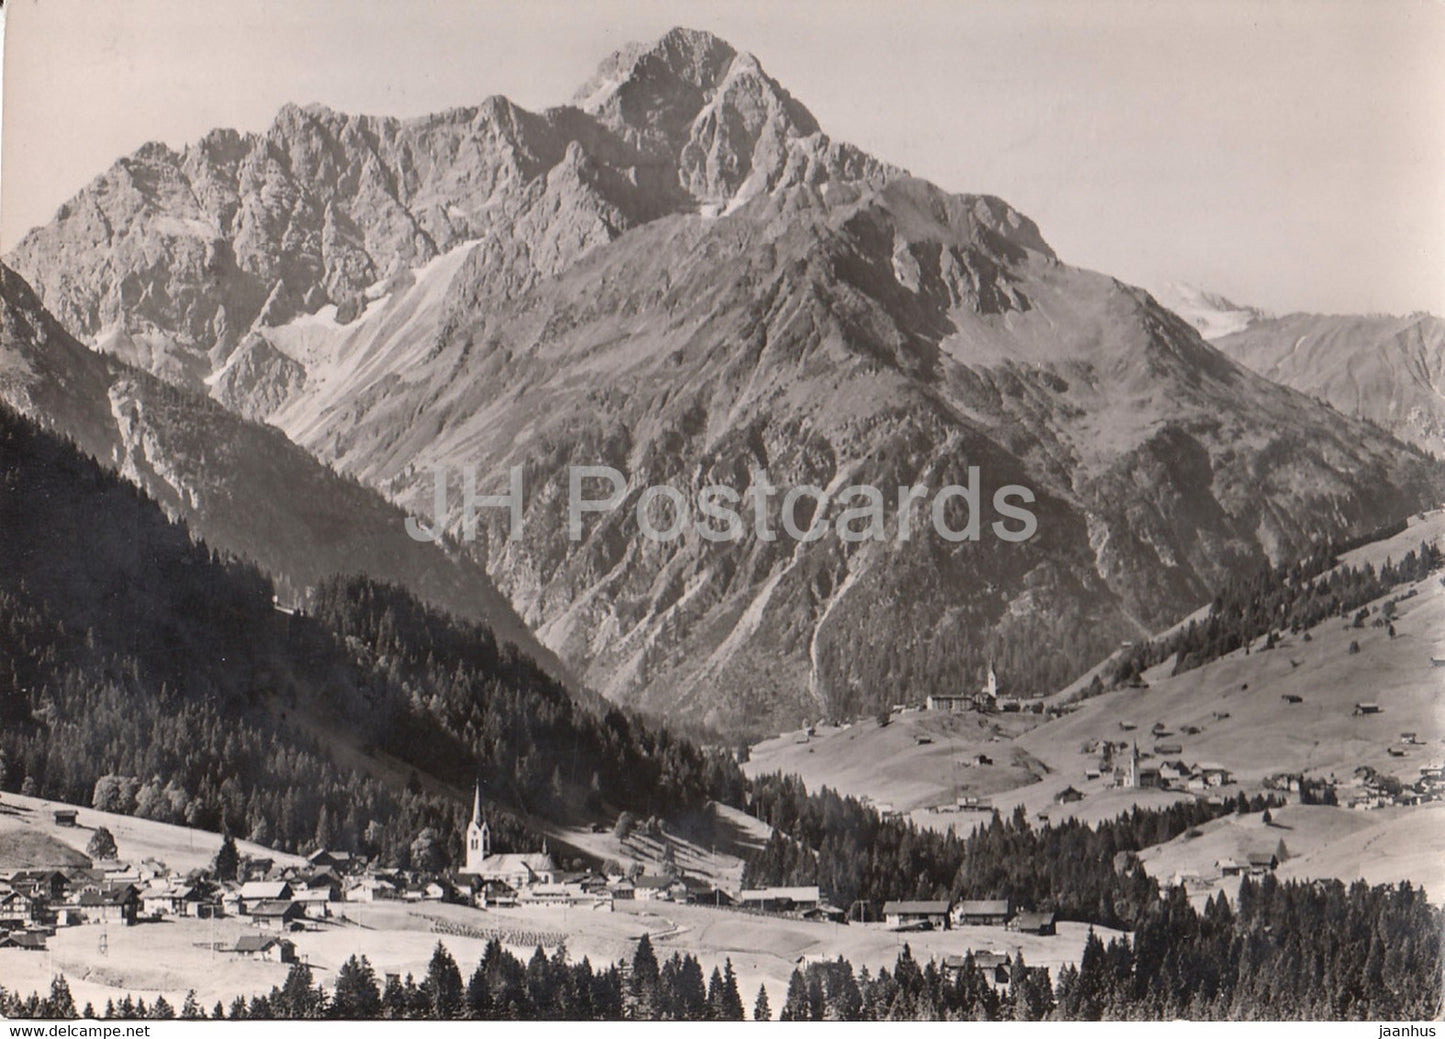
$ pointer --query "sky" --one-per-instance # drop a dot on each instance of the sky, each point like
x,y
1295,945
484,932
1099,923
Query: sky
x,y
1289,155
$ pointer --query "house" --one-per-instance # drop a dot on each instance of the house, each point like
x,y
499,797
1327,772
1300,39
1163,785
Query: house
x,y
1292,698
50,884
279,914
1367,707
1261,862
114,905
824,913
652,889
339,861
1068,795
265,947
324,881
623,889
923,915
65,817
952,702
265,891
1229,867
371,889
780,899
27,940
315,905
1033,923
989,911
993,967
1215,775
1168,749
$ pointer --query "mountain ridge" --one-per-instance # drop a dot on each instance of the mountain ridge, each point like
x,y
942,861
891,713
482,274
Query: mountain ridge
x,y
686,279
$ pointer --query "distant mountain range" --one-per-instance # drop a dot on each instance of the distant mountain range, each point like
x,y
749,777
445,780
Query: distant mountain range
x,y
1385,368
680,275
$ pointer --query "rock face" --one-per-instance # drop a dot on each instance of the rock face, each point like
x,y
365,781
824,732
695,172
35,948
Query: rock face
x,y
682,277
241,486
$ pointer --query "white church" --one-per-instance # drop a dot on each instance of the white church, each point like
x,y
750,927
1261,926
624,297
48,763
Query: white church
x,y
516,871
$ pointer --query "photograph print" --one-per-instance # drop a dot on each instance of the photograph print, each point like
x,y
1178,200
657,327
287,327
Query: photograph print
x,y
700,511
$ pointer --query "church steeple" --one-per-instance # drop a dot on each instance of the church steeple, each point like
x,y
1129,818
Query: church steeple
x,y
479,837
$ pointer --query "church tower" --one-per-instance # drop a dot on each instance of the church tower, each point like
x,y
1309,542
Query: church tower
x,y
1133,781
479,839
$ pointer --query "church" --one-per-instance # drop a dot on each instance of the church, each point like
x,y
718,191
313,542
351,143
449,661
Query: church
x,y
516,871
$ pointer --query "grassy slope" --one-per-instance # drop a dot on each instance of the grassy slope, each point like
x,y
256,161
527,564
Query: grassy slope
x,y
24,819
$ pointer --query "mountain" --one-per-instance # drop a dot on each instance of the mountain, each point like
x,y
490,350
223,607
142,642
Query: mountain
x,y
1389,370
240,485
681,276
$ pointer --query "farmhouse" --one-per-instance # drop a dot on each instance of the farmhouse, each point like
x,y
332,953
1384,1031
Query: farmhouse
x,y
1261,862
28,940
993,911
265,891
993,967
780,899
265,947
114,905
279,914
924,915
1068,795
1033,923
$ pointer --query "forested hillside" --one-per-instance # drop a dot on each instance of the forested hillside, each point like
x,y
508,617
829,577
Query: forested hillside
x,y
143,669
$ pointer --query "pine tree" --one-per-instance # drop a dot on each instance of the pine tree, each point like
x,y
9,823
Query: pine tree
x,y
443,985
761,1010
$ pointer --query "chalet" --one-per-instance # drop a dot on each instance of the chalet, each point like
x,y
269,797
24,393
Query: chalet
x,y
265,947
780,899
993,967
1215,775
623,889
989,911
325,881
1168,749
278,914
265,891
114,905
325,859
30,941
652,889
1148,777
1229,867
66,817
315,905
1367,707
1261,862
952,702
922,915
824,913
1068,795
50,884
18,910
371,889
486,893
1033,923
